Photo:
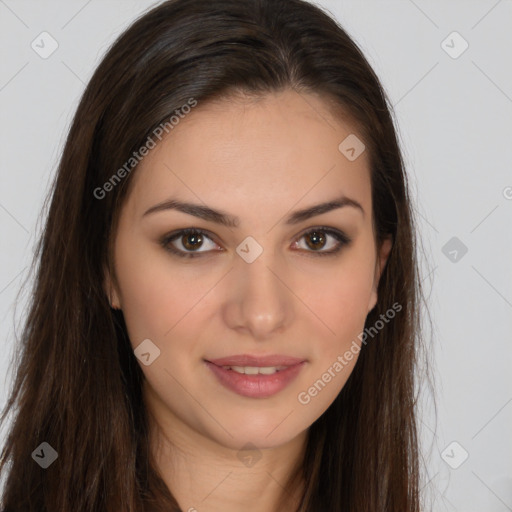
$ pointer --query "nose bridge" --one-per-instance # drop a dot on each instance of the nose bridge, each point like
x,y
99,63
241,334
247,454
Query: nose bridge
x,y
259,301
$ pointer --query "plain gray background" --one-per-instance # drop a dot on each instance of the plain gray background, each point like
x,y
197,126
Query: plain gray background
x,y
453,109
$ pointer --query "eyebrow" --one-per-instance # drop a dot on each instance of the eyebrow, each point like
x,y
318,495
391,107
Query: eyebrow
x,y
220,217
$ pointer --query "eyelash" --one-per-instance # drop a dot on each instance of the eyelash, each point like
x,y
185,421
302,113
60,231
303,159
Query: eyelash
x,y
341,237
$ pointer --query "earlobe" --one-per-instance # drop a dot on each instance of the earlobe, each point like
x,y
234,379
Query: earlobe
x,y
382,259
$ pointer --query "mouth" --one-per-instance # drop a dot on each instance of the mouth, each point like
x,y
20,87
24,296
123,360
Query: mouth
x,y
254,376
246,360
255,370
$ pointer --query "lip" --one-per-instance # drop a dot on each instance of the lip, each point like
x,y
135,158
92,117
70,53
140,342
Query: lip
x,y
256,361
256,386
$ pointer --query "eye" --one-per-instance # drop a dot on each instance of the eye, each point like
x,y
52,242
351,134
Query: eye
x,y
188,242
317,239
189,239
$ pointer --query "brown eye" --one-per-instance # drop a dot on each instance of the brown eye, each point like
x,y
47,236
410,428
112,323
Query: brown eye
x,y
192,241
323,241
189,243
315,240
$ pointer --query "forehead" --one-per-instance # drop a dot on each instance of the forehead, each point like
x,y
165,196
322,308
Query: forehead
x,y
252,154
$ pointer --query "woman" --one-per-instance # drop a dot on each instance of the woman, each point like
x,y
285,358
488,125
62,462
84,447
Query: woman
x,y
226,307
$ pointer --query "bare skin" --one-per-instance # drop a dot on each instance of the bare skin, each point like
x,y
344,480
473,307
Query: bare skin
x,y
260,161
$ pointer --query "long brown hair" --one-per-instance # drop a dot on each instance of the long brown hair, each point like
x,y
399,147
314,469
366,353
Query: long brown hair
x,y
77,385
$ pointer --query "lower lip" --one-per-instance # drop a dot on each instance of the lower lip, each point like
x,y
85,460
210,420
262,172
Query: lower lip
x,y
255,386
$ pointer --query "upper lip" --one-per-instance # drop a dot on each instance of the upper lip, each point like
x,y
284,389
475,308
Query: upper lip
x,y
256,361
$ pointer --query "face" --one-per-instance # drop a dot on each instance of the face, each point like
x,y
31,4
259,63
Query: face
x,y
267,283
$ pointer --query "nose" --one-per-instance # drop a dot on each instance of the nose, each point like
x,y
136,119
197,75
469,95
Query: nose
x,y
259,301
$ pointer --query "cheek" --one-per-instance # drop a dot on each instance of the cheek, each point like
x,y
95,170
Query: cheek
x,y
154,296
340,301
342,306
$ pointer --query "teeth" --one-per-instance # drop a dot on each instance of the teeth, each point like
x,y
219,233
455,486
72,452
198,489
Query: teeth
x,y
255,370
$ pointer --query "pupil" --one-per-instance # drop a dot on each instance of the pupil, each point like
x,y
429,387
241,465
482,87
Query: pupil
x,y
316,238
195,241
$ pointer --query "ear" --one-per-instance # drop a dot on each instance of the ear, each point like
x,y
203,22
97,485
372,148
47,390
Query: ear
x,y
382,259
111,291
